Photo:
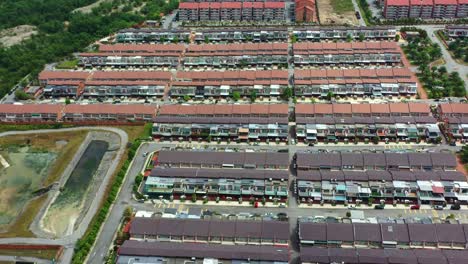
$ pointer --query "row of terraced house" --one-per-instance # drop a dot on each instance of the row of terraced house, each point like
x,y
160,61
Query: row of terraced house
x,y
426,9
243,54
151,35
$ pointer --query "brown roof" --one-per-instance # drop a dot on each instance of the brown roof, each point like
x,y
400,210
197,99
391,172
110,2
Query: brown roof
x,y
323,108
419,108
342,108
361,108
305,109
110,109
30,108
380,108
399,108
46,75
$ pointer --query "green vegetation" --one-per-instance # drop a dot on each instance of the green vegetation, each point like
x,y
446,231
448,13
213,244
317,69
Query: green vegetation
x,y
68,64
236,96
35,253
253,96
83,246
459,49
21,95
436,80
342,6
61,31
464,154
366,14
287,93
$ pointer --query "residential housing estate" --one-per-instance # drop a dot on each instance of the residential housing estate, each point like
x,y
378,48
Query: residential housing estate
x,y
426,9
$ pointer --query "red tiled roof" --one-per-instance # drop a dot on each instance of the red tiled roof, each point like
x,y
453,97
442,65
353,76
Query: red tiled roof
x,y
459,108
422,2
109,108
361,108
231,5
305,109
380,108
399,108
342,108
419,108
274,5
397,3
46,75
30,108
187,5
445,2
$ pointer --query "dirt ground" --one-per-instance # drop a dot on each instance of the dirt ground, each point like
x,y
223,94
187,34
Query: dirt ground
x,y
12,36
328,16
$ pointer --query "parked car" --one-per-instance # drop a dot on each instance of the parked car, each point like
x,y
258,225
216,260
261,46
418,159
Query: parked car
x,y
455,207
438,207
358,16
415,207
311,144
379,207
453,143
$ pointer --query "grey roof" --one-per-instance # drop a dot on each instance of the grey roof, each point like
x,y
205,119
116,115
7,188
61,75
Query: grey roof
x,y
313,231
310,175
332,175
367,232
356,176
378,175
218,158
398,256
205,228
433,256
340,232
403,176
419,159
394,232
315,255
450,233
374,159
343,255
451,176
396,159
426,175
456,256
352,159
199,250
218,173
443,159
422,233
371,256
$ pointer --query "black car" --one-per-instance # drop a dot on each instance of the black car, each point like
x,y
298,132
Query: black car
x,y
379,207
455,207
358,16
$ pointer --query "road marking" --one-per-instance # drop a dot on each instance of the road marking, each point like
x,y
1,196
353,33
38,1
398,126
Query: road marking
x,y
434,213
181,207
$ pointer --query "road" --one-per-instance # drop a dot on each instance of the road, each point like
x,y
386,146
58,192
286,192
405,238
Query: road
x,y
362,23
106,236
69,241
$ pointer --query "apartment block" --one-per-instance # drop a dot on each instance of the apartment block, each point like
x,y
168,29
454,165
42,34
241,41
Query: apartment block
x,y
343,53
377,82
236,122
146,35
462,9
248,35
396,9
125,55
222,84
236,55
188,11
231,11
107,112
30,113
445,9
204,11
421,8
455,118
274,11
305,11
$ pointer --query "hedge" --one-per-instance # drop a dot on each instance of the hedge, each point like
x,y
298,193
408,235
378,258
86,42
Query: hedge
x,y
84,244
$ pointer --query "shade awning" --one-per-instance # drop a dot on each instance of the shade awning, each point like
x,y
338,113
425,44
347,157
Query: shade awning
x,y
437,189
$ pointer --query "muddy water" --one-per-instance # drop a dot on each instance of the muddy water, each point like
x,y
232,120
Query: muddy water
x,y
25,174
65,210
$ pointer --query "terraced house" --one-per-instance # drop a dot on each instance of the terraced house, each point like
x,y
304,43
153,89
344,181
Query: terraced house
x,y
428,178
223,84
219,175
126,55
360,122
104,83
228,122
150,35
342,33
236,55
344,53
376,82
455,118
239,34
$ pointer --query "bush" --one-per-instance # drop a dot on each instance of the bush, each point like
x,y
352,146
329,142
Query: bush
x,y
21,95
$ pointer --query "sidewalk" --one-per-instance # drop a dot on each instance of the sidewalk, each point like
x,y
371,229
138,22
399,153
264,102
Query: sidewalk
x,y
168,204
366,207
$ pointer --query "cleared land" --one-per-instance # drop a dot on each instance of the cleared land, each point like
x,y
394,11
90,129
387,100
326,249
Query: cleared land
x,y
336,12
12,36
63,145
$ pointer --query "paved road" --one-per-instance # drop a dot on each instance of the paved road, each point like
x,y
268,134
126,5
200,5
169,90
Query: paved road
x,y
362,23
106,235
69,241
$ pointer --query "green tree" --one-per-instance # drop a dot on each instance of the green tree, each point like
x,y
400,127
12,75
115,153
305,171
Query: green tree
x,y
236,96
253,96
330,95
21,95
67,101
361,37
187,98
287,93
349,38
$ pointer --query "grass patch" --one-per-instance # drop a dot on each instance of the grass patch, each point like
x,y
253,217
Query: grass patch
x,y
35,253
20,227
69,64
135,132
342,6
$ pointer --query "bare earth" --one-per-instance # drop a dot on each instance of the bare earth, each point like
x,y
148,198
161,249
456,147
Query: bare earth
x,y
328,16
87,9
15,35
